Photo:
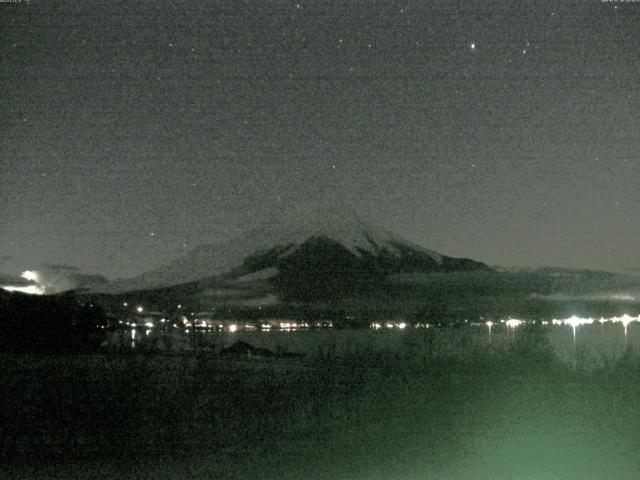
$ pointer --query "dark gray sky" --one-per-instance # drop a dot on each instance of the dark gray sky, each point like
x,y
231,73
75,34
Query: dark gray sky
x,y
508,132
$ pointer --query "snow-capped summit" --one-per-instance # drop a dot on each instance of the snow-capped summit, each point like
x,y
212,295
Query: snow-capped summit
x,y
332,221
301,235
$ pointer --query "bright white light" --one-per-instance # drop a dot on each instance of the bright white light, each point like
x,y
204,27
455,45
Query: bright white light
x,y
149,324
402,326
32,276
626,320
513,323
233,328
31,289
473,46
140,309
573,321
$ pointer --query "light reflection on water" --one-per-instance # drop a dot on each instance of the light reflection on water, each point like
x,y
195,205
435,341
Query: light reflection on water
x,y
602,338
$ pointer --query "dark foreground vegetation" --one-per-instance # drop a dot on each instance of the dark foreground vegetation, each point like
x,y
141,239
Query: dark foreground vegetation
x,y
49,323
514,412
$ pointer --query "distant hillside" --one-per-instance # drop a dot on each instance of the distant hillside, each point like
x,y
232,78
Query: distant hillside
x,y
533,293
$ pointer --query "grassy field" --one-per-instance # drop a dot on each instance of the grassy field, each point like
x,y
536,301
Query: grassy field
x,y
515,412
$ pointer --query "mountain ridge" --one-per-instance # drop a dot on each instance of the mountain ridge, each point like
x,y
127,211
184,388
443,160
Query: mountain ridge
x,y
343,236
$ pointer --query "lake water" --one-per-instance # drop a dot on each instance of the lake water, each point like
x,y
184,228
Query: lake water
x,y
573,338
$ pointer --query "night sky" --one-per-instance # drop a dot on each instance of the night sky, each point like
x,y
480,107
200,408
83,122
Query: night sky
x,y
508,132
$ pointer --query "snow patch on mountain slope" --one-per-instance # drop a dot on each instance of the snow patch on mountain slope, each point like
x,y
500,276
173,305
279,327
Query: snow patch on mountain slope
x,y
263,274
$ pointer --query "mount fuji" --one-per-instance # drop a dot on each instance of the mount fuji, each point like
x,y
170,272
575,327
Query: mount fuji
x,y
312,252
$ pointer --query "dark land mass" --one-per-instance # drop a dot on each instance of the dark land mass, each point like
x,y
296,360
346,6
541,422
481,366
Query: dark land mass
x,y
371,294
49,323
